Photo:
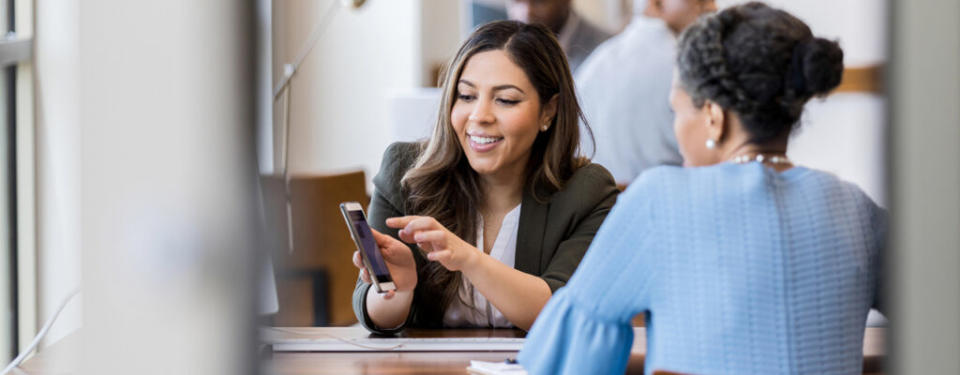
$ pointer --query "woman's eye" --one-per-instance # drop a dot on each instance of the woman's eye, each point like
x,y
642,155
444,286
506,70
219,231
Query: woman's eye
x,y
465,98
508,101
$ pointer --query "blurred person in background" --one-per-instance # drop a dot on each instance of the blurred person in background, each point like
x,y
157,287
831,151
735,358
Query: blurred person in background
x,y
740,261
624,85
577,36
497,207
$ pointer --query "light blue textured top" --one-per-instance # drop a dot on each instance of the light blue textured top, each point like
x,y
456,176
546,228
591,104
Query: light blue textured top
x,y
739,269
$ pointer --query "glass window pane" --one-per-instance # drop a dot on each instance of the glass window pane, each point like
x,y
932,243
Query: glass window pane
x,y
6,13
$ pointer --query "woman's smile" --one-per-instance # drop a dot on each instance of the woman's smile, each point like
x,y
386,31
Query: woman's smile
x,y
481,143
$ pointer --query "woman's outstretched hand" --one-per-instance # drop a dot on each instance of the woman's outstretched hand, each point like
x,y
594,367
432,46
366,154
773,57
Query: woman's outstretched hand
x,y
437,241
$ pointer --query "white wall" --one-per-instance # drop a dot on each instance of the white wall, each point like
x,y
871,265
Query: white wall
x,y
859,25
439,38
339,107
844,133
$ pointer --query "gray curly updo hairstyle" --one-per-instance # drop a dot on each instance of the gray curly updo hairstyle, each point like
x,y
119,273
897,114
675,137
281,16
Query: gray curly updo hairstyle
x,y
762,63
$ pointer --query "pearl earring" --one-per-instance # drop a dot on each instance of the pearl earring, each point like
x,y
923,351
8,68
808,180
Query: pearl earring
x,y
711,144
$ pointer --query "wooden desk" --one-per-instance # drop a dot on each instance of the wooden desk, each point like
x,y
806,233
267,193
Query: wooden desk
x,y
397,363
321,363
347,363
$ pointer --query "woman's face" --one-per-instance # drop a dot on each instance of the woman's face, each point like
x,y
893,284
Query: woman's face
x,y
496,115
689,125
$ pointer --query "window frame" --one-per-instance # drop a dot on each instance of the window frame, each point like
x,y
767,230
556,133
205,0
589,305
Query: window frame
x,y
16,58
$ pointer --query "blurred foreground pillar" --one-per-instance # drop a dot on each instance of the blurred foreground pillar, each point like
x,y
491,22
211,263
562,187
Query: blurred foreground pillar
x,y
168,186
924,261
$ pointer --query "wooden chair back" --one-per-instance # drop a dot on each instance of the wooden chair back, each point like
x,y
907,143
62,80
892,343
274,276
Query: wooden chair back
x,y
315,281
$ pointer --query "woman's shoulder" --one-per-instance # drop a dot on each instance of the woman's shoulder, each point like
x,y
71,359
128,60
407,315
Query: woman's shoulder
x,y
590,174
657,178
589,186
841,191
828,183
401,153
799,182
595,179
590,178
397,159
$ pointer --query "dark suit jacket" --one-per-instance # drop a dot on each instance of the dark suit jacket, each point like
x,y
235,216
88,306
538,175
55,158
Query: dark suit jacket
x,y
551,240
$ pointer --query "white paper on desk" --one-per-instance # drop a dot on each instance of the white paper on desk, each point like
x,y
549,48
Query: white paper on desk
x,y
495,368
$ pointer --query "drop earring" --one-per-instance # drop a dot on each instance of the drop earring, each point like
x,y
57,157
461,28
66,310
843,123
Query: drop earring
x,y
711,144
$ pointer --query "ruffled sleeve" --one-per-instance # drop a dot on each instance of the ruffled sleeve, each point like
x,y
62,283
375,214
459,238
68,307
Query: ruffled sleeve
x,y
568,340
585,327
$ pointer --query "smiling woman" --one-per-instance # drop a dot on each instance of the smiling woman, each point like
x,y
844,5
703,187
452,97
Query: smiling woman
x,y
494,118
472,201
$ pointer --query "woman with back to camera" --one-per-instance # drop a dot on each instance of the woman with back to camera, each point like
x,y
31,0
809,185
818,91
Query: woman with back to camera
x,y
740,261
474,200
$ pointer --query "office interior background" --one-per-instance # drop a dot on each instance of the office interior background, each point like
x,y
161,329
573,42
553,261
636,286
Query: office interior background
x,y
139,137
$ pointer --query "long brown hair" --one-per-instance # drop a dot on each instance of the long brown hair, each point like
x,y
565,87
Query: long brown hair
x,y
441,184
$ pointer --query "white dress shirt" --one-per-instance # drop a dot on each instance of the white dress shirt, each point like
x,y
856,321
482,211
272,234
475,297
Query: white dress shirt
x,y
480,312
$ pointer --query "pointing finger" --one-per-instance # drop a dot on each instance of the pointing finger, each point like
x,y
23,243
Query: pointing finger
x,y
421,224
437,238
439,256
400,222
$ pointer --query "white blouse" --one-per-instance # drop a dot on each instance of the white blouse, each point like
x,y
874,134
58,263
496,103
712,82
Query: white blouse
x,y
483,314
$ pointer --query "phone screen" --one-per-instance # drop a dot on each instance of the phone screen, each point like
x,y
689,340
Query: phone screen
x,y
369,246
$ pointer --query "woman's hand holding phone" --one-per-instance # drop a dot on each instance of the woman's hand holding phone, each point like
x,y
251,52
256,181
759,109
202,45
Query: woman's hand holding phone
x,y
399,260
437,241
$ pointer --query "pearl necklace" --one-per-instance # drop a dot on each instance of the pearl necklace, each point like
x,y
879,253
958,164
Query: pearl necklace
x,y
774,159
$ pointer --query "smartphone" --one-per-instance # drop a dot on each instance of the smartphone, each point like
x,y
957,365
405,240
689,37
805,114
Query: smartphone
x,y
367,245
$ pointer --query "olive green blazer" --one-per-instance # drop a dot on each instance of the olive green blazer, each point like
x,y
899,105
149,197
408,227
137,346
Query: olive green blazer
x,y
552,236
